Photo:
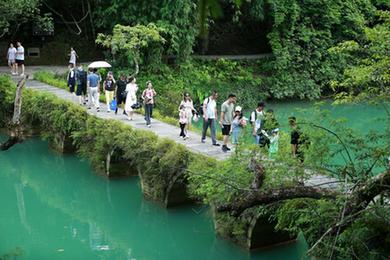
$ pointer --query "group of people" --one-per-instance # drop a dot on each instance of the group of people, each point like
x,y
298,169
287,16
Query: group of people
x,y
15,58
232,121
265,127
121,93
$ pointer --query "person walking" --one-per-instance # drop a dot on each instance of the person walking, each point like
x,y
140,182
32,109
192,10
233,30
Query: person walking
x,y
72,59
81,79
71,80
256,119
131,97
189,109
148,96
19,58
210,113
109,89
93,83
227,110
183,121
11,56
238,124
121,93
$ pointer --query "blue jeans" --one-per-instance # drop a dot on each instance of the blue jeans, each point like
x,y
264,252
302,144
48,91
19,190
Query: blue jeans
x,y
210,122
148,113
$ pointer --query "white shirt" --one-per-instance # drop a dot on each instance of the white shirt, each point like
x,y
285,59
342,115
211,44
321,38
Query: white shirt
x,y
257,119
210,107
20,54
11,53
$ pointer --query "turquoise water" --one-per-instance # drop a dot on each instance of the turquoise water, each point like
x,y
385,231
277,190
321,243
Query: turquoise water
x,y
360,117
56,207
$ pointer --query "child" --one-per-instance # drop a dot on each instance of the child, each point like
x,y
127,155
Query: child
x,y
274,144
183,121
237,124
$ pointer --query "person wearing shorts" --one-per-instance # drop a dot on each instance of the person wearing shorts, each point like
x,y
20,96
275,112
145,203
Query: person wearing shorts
x,y
11,56
227,111
19,58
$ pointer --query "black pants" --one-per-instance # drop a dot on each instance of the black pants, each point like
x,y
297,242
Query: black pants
x,y
182,128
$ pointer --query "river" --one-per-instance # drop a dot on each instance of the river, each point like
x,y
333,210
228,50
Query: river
x,y
57,207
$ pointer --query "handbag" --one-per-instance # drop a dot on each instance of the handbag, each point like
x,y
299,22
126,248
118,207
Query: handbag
x,y
113,104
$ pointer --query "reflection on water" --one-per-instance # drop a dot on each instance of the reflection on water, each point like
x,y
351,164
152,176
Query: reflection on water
x,y
55,207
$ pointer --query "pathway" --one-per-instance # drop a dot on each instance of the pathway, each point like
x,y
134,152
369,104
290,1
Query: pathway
x,y
159,128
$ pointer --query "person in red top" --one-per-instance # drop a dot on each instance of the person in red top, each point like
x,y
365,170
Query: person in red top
x,y
148,96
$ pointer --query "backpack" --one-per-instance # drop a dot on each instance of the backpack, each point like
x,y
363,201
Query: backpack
x,y
200,110
81,77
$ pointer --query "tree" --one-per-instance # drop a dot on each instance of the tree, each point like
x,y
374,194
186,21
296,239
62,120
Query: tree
x,y
16,12
367,74
134,43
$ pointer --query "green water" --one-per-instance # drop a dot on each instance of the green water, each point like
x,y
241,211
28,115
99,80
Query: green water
x,y
360,117
56,207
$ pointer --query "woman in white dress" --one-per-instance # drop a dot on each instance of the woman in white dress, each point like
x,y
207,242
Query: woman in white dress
x,y
131,97
72,60
189,108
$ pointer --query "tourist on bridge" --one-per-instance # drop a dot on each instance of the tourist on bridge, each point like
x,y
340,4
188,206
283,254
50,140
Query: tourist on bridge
x,y
72,59
81,79
93,83
71,80
121,93
210,114
148,96
183,121
131,97
227,110
109,89
298,141
19,58
256,119
238,124
189,109
11,56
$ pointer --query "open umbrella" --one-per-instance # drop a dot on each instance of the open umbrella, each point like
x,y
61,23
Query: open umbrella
x,y
99,64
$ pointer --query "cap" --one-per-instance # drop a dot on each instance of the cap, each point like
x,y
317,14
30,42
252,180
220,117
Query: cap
x,y
238,108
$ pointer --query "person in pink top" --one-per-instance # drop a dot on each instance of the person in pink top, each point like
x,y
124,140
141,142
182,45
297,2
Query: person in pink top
x,y
148,96
183,122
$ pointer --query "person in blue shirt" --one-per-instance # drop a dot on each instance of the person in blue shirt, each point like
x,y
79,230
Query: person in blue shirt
x,y
93,84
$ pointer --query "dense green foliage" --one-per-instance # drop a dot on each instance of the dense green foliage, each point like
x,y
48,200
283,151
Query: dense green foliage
x,y
176,17
135,44
368,73
18,11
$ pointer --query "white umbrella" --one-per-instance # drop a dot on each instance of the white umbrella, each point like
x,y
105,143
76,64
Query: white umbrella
x,y
99,64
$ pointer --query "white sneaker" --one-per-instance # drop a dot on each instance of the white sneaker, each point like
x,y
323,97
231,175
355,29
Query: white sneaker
x,y
149,126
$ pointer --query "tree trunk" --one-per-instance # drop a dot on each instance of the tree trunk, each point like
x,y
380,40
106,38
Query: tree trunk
x,y
15,127
275,195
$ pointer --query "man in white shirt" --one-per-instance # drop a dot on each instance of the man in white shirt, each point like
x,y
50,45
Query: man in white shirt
x,y
209,116
11,56
257,119
19,58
